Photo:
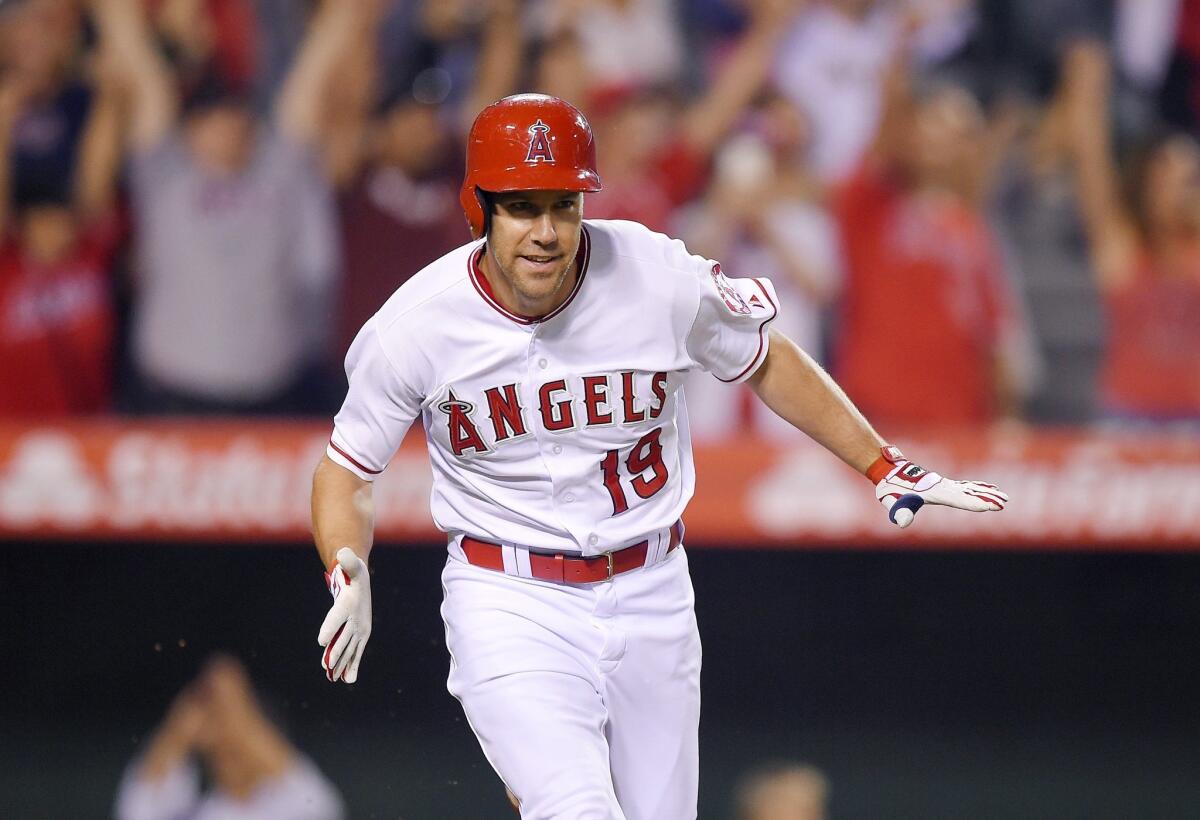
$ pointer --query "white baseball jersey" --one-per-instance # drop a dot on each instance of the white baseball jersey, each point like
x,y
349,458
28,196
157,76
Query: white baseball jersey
x,y
567,432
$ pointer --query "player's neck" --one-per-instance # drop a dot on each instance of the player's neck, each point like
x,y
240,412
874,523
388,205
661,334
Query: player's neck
x,y
514,301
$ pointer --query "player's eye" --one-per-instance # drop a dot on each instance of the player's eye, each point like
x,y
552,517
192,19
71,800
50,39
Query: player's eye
x,y
565,204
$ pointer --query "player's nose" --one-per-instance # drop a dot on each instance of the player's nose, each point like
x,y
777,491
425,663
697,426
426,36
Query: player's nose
x,y
542,231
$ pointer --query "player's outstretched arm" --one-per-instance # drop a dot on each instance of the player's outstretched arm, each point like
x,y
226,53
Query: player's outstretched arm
x,y
343,523
798,390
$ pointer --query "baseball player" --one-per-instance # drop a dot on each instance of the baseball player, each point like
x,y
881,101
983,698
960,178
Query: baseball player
x,y
544,360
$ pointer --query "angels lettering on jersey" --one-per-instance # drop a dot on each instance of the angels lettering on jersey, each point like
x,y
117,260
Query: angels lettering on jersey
x,y
562,405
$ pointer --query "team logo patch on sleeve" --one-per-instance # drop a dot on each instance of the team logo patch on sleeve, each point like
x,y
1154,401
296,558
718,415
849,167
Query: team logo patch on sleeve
x,y
733,300
539,143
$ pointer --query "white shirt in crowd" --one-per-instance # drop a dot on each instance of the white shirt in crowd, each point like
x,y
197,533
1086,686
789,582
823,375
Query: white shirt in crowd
x,y
832,66
624,44
300,793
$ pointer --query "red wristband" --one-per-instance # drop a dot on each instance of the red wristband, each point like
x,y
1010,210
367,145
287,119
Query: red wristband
x,y
889,457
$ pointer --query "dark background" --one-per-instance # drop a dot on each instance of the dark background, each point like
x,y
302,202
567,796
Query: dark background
x,y
926,685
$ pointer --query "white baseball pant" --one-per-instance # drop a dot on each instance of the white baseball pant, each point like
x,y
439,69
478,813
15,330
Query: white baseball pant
x,y
585,698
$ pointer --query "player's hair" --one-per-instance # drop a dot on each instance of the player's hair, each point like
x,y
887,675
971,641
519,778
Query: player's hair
x,y
488,202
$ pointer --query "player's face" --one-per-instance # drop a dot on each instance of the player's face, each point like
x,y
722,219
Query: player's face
x,y
531,245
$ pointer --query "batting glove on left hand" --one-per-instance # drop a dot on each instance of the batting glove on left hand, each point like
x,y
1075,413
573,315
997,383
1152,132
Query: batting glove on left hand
x,y
903,487
347,627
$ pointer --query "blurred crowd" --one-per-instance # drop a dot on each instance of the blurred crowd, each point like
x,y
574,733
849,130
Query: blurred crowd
x,y
973,211
218,755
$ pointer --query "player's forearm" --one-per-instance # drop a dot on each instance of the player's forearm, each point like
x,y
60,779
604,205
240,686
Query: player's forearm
x,y
343,512
798,390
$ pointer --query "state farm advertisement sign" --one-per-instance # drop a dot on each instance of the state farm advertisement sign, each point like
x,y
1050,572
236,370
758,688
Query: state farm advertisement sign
x,y
249,482
227,481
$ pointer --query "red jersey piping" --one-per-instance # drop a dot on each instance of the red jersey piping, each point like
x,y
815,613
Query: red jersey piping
x,y
352,459
484,288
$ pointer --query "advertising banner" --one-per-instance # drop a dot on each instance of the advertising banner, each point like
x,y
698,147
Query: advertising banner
x,y
248,482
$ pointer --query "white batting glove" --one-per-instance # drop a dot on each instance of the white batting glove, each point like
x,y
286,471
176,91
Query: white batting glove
x,y
903,487
347,627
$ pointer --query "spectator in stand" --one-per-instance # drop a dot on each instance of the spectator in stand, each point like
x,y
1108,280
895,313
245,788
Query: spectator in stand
x,y
400,209
1145,244
834,58
250,43
762,216
39,46
1144,36
624,45
200,36
440,51
236,234
929,332
1180,98
783,792
255,774
653,156
1037,212
400,212
56,313
559,69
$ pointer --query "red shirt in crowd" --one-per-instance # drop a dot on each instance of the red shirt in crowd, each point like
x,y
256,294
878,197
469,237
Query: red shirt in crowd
x,y
924,304
392,226
1152,361
675,175
56,331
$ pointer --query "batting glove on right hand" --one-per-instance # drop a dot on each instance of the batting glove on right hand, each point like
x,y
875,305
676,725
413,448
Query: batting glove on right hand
x,y
347,627
903,487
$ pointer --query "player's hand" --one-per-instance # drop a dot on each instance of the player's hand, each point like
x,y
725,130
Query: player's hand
x,y
347,627
903,487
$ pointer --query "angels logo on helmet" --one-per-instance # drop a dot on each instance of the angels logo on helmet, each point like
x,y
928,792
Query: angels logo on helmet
x,y
539,144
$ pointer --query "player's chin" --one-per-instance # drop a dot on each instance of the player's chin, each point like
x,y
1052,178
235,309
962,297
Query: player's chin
x,y
539,282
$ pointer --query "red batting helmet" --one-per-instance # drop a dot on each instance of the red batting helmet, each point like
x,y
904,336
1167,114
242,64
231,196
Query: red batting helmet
x,y
526,142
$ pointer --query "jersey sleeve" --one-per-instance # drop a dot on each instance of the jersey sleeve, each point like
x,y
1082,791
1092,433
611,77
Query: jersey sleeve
x,y
380,405
729,335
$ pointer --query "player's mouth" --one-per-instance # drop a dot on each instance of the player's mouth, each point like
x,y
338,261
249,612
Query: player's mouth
x,y
541,263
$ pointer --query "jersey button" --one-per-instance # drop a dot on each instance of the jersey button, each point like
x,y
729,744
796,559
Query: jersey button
x,y
569,497
543,364
557,449
593,540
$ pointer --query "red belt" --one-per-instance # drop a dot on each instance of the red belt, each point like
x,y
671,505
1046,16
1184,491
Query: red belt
x,y
569,569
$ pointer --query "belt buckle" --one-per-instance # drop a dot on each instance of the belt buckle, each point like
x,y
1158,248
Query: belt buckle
x,y
609,556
